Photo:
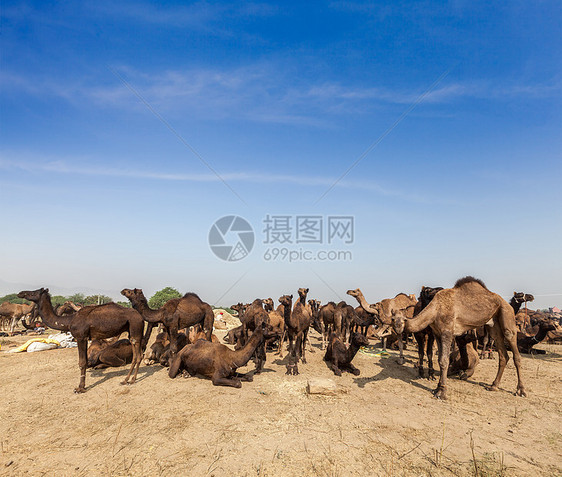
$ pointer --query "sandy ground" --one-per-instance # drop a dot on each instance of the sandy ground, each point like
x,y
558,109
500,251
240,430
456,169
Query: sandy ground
x,y
384,422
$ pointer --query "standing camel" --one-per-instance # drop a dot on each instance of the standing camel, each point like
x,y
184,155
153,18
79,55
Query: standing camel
x,y
13,312
176,314
297,322
468,305
90,323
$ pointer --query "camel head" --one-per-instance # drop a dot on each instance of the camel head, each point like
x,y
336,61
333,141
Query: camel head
x,y
354,293
286,300
34,295
268,304
240,308
303,292
134,295
521,297
359,339
314,305
398,321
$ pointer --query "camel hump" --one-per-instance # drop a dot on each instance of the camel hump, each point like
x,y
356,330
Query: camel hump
x,y
192,295
468,279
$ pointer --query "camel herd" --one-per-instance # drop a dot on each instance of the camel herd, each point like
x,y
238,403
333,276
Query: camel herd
x,y
457,318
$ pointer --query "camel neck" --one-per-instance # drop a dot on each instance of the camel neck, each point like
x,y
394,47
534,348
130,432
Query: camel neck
x,y
541,334
516,305
51,319
421,321
368,308
352,350
287,313
243,355
148,314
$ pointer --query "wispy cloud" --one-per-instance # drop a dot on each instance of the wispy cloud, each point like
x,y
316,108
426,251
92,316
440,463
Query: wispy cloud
x,y
85,169
258,92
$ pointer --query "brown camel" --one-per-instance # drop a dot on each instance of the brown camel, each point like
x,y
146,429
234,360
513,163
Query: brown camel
x,y
297,322
254,317
331,320
175,314
217,361
109,353
468,305
90,323
384,310
339,358
14,312
67,308
525,343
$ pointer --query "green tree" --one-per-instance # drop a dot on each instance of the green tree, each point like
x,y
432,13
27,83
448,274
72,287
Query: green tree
x,y
126,304
57,300
77,298
97,300
162,296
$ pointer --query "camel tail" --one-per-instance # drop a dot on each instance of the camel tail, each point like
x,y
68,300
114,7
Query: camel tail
x,y
209,323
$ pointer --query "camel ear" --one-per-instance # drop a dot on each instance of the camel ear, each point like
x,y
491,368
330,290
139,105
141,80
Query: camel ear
x,y
46,290
307,290
291,295
514,293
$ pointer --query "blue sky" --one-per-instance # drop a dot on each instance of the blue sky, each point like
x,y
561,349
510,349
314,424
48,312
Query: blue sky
x,y
113,115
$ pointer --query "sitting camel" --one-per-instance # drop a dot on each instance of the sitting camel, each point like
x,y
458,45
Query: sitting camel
x,y
109,353
94,322
525,343
217,361
464,358
468,305
339,357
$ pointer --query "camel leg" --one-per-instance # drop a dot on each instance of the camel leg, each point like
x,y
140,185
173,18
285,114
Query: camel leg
x,y
137,357
305,337
444,342
281,341
503,357
429,352
219,380
110,360
146,337
401,348
352,369
82,363
420,339
334,367
244,377
510,335
173,334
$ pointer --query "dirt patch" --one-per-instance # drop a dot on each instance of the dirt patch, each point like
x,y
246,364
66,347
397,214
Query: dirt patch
x,y
385,422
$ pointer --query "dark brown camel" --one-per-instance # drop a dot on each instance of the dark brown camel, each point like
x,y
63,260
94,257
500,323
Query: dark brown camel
x,y
425,337
297,322
94,322
175,314
217,361
109,353
525,343
461,365
338,357
468,305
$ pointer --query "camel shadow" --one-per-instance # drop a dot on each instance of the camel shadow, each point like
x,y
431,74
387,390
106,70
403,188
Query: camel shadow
x,y
391,369
144,372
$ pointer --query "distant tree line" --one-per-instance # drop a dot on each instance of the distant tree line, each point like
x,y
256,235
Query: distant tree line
x,y
156,301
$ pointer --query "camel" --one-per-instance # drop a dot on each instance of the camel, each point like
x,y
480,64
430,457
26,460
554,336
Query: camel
x,y
525,343
425,336
297,322
384,310
14,312
331,320
468,305
67,308
339,358
217,361
90,323
175,314
349,318
362,320
254,317
460,365
109,353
